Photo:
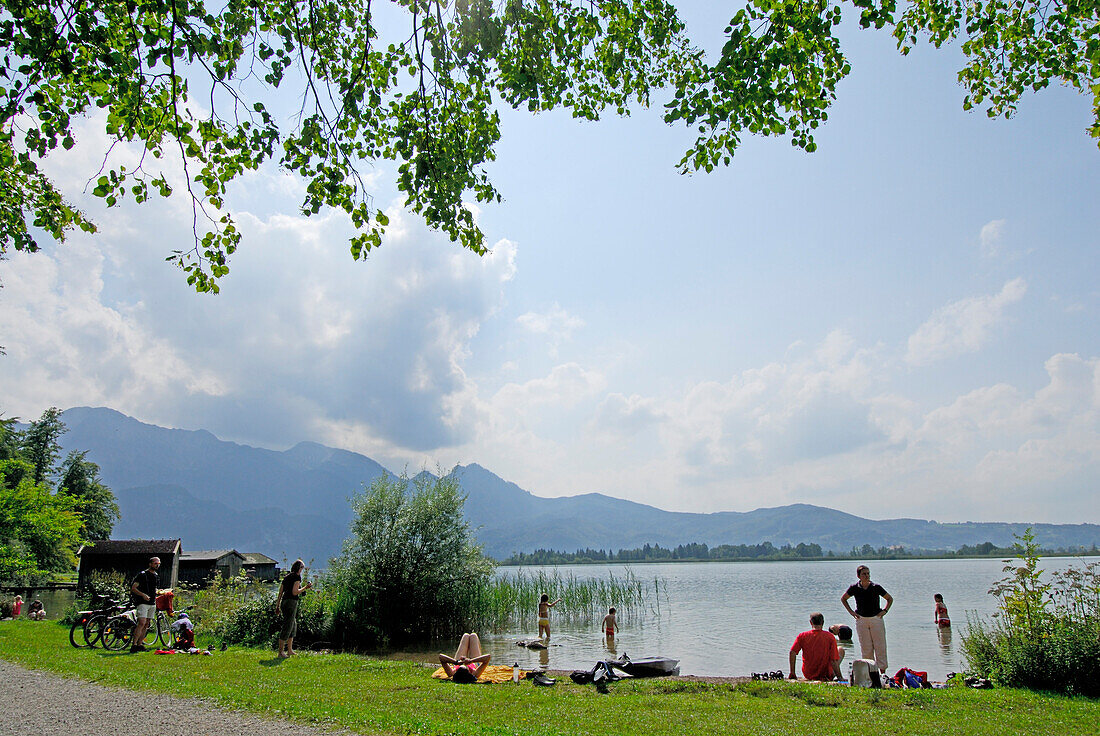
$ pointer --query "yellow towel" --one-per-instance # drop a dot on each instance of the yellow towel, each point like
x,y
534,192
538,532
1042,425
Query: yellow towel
x,y
491,673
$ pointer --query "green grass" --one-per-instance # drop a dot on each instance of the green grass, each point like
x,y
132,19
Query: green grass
x,y
374,696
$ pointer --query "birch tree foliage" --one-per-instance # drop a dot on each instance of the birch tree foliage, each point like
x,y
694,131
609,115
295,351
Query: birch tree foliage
x,y
326,89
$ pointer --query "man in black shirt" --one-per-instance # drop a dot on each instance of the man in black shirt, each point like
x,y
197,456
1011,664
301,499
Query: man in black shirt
x,y
868,615
143,593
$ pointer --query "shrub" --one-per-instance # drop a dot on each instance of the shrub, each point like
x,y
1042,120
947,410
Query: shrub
x,y
214,606
107,584
1045,634
254,623
111,584
410,569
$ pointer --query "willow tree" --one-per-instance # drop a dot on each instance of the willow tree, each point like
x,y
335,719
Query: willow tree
x,y
420,82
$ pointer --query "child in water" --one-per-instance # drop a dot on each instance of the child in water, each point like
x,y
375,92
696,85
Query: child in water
x,y
940,615
610,626
544,614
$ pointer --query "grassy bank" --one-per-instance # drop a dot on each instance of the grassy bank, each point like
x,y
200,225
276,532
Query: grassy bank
x,y
374,696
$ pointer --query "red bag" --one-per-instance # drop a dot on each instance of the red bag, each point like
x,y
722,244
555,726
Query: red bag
x,y
164,602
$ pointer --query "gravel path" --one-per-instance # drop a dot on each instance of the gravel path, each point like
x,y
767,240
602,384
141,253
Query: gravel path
x,y
48,705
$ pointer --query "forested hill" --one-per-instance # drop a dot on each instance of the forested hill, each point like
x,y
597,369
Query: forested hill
x,y
215,494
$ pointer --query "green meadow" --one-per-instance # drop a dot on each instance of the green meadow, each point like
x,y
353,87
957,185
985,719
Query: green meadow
x,y
376,696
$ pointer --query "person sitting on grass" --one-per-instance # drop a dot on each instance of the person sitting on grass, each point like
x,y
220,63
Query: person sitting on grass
x,y
37,611
468,663
184,631
820,656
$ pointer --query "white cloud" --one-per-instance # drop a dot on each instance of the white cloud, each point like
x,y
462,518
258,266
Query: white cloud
x,y
555,323
619,416
824,428
990,238
299,336
964,326
66,347
564,386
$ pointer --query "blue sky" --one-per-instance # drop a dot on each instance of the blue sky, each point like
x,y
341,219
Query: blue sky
x,y
901,324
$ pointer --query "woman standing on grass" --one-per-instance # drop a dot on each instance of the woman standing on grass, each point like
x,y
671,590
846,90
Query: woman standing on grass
x,y
870,628
286,605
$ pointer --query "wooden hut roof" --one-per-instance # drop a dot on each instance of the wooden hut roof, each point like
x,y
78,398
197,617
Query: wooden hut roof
x,y
149,547
257,558
210,554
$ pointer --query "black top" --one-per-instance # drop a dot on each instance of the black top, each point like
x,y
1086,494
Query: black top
x,y
288,586
867,598
147,581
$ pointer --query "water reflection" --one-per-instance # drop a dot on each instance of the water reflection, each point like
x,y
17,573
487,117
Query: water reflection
x,y
944,634
56,602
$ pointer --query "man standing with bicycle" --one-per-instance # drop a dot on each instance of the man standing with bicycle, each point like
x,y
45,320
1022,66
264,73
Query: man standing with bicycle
x,y
143,593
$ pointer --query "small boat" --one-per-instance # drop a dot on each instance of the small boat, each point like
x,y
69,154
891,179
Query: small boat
x,y
648,666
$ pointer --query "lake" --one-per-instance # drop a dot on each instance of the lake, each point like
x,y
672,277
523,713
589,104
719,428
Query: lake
x,y
740,617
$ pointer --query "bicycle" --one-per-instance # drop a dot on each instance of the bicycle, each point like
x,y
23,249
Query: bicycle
x,y
87,629
118,632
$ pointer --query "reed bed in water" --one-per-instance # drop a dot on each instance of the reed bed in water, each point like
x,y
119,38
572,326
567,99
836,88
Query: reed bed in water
x,y
513,596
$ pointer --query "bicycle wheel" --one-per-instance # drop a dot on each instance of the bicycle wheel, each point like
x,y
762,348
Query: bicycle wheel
x,y
117,633
93,629
76,631
153,633
167,634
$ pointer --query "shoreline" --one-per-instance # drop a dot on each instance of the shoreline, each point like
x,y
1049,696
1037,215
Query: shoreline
x,y
838,558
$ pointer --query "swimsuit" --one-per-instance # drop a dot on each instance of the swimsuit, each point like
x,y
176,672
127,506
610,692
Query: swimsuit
x,y
544,622
610,632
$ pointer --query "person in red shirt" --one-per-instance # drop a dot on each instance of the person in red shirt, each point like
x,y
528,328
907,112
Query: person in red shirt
x,y
820,656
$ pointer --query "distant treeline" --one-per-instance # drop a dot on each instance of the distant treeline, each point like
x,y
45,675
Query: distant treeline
x,y
696,552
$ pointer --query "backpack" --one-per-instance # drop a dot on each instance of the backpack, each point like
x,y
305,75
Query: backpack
x,y
906,677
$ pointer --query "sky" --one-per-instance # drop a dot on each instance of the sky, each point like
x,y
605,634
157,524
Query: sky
x,y
902,324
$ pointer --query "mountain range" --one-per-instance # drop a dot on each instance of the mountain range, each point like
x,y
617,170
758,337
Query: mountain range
x,y
215,494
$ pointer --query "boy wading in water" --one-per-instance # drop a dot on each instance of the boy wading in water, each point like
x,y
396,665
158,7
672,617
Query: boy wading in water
x,y
545,604
610,626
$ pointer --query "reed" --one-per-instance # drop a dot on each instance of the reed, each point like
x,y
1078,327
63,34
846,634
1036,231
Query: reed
x,y
511,597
